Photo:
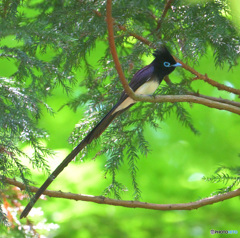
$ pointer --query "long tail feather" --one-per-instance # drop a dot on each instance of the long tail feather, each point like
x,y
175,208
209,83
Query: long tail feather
x,y
93,134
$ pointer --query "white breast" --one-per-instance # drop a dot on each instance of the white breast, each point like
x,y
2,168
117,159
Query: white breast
x,y
147,88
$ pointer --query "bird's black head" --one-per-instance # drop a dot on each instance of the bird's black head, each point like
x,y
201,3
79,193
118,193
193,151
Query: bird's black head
x,y
164,63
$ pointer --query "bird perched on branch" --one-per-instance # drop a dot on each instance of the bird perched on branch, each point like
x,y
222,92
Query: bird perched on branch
x,y
144,82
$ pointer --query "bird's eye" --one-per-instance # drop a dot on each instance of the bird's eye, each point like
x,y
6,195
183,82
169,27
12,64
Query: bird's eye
x,y
166,64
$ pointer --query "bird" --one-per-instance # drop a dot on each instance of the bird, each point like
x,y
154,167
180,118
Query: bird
x,y
144,82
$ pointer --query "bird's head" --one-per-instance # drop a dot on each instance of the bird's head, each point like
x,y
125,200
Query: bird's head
x,y
164,62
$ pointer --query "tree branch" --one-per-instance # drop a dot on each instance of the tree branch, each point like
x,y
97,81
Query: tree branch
x,y
189,98
131,204
212,82
165,10
109,19
221,100
123,28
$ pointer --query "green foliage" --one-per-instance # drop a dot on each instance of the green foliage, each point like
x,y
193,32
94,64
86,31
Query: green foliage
x,y
3,218
20,111
49,43
225,175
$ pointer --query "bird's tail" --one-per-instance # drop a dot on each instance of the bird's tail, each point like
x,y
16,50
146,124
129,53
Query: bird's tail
x,y
93,134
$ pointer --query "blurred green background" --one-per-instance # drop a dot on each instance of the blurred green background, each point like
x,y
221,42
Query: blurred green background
x,y
171,173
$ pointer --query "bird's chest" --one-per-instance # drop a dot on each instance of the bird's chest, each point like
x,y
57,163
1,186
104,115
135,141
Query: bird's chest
x,y
148,88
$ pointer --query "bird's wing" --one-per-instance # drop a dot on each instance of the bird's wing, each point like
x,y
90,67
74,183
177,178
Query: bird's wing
x,y
142,83
139,78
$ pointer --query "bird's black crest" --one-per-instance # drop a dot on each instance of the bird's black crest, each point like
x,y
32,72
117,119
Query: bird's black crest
x,y
163,54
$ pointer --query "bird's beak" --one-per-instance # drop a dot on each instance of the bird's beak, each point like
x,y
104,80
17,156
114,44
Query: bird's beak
x,y
177,65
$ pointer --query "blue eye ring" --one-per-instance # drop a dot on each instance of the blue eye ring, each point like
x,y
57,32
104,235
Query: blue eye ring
x,y
167,64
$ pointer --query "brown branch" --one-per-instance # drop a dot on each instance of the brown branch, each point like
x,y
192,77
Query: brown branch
x,y
167,80
123,28
165,10
4,150
138,37
188,98
132,204
123,80
214,83
221,100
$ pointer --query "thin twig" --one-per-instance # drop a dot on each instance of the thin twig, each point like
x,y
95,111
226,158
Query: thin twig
x,y
165,10
140,38
123,28
167,80
131,204
212,82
